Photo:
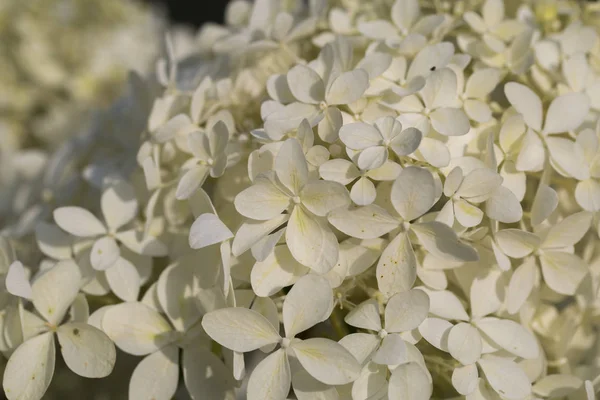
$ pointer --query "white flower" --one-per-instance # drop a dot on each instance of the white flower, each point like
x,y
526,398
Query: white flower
x,y
244,330
411,196
289,188
87,351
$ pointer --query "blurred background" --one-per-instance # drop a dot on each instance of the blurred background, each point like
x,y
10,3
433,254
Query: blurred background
x,y
178,11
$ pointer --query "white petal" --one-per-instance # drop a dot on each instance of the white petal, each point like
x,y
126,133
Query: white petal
x,y
587,194
505,377
487,292
330,125
252,232
363,192
568,231
261,201
17,282
339,170
373,157
301,312
52,241
467,214
511,336
378,29
413,193
348,87
406,310
208,229
87,350
367,222
477,110
482,82
310,241
277,271
136,328
446,304
563,272
532,153
557,385
119,204
450,121
78,222
321,197
305,84
271,379
409,381
124,280
440,89
544,203
361,345
308,388
465,379
504,206
520,286
566,159
191,180
365,315
435,55
440,240
55,290
30,368
290,166
105,253
478,184
464,343
239,329
327,361
205,375
396,269
156,376
359,136
406,142
566,113
391,352
517,243
526,102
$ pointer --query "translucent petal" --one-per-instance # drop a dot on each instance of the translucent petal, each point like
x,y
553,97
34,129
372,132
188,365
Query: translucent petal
x,y
396,269
301,312
505,377
348,87
310,241
409,381
78,222
205,375
321,197
327,361
305,84
136,328
365,315
87,350
510,335
406,310
563,272
290,166
55,290
277,271
119,205
156,376
391,352
124,280
271,378
450,121
526,102
366,222
105,253
359,136
17,281
464,343
566,113
413,193
29,370
206,230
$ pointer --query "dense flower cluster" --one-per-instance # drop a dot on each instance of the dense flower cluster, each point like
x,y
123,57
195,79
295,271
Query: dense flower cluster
x,y
333,200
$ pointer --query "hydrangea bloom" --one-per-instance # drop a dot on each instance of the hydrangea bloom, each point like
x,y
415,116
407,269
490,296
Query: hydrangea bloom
x,y
325,200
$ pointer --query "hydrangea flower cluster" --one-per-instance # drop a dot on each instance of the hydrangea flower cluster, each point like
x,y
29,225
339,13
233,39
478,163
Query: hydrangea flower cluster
x,y
334,200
